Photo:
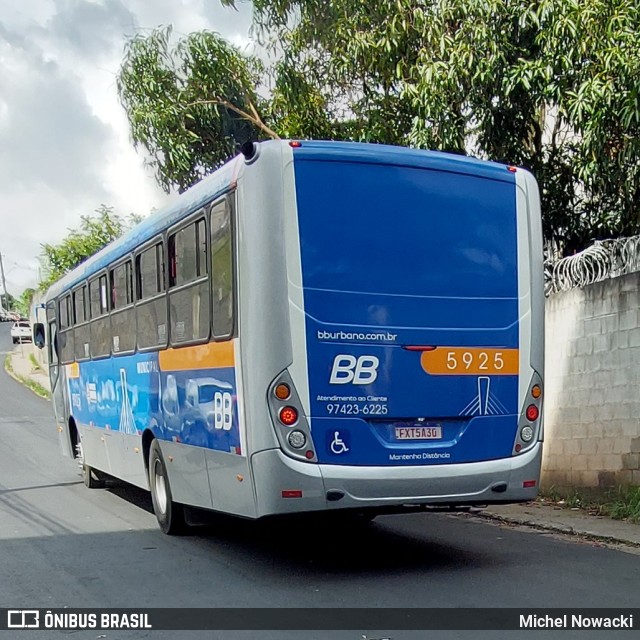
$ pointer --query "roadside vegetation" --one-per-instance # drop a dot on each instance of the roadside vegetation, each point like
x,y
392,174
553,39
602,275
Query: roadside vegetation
x,y
35,363
37,388
551,85
620,503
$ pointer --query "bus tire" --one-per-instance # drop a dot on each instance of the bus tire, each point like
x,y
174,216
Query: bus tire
x,y
170,514
92,479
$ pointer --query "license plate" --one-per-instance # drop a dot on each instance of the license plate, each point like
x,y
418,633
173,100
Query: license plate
x,y
419,433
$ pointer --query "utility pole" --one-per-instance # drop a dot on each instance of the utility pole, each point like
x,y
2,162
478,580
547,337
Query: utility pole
x,y
4,286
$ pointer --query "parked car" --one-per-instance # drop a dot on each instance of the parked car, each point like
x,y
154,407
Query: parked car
x,y
21,332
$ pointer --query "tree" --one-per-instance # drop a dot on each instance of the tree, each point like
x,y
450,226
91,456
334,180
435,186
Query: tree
x,y
23,304
548,84
94,233
190,104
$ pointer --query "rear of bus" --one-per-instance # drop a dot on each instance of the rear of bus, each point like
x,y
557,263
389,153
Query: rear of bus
x,y
415,283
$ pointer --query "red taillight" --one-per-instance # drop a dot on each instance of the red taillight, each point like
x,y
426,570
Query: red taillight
x,y
296,144
527,484
419,348
292,493
532,413
308,454
518,448
512,169
288,416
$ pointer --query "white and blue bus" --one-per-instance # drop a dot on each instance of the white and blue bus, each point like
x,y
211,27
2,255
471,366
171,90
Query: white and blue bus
x,y
315,326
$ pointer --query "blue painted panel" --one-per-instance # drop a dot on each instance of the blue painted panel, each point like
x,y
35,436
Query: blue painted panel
x,y
197,407
394,256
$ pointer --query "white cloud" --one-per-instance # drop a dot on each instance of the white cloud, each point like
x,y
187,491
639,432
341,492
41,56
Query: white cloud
x,y
64,139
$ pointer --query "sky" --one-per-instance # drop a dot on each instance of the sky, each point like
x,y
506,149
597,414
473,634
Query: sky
x,y
64,139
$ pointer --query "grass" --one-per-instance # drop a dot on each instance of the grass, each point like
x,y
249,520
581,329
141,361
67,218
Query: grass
x,y
35,363
619,503
626,504
38,389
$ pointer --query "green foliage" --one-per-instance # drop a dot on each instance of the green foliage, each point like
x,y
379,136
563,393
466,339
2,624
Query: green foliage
x,y
34,386
23,304
625,504
190,104
35,364
547,84
94,233
620,503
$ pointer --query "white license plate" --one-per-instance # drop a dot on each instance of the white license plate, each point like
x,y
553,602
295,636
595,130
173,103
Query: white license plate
x,y
418,433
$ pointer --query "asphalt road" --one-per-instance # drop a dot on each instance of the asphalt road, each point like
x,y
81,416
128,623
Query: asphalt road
x,y
62,545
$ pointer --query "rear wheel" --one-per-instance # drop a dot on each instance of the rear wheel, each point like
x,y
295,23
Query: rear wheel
x,y
170,514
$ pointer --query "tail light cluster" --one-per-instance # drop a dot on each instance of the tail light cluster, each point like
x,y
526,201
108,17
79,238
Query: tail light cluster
x,y
530,423
292,428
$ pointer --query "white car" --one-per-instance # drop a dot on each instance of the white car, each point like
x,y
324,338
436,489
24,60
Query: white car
x,y
21,332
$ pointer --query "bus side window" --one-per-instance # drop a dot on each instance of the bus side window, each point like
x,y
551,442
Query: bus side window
x,y
151,308
123,318
82,329
66,313
53,344
100,326
222,272
189,284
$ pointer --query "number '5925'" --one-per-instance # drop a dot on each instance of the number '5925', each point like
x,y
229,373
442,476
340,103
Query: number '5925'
x,y
482,360
470,361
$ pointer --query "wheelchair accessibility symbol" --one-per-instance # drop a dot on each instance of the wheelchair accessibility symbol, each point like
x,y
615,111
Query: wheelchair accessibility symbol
x,y
338,442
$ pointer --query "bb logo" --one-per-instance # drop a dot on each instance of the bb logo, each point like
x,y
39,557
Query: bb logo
x,y
347,368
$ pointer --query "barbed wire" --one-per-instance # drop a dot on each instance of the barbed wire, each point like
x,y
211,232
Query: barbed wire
x,y
602,260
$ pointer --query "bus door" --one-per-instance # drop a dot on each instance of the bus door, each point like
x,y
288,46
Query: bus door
x,y
56,379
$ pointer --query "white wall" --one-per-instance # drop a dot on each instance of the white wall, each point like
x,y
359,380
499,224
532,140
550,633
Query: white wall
x,y
592,383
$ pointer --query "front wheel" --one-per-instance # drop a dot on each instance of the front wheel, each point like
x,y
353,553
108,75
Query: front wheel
x,y
92,478
170,514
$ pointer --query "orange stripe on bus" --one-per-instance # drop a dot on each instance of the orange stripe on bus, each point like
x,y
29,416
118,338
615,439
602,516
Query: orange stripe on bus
x,y
213,355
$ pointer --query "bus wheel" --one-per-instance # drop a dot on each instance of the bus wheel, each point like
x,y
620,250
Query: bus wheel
x,y
92,479
170,514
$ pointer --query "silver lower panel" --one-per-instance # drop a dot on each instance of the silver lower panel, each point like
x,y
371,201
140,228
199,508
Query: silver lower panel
x,y
387,487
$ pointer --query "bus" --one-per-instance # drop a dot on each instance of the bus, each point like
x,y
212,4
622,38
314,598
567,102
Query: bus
x,y
314,327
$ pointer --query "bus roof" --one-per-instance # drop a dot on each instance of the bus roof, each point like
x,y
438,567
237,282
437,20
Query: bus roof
x,y
401,156
207,189
225,177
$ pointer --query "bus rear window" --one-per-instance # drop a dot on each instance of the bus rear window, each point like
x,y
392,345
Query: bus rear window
x,y
405,231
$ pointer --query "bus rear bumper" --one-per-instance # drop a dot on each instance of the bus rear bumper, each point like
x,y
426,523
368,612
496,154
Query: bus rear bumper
x,y
284,485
